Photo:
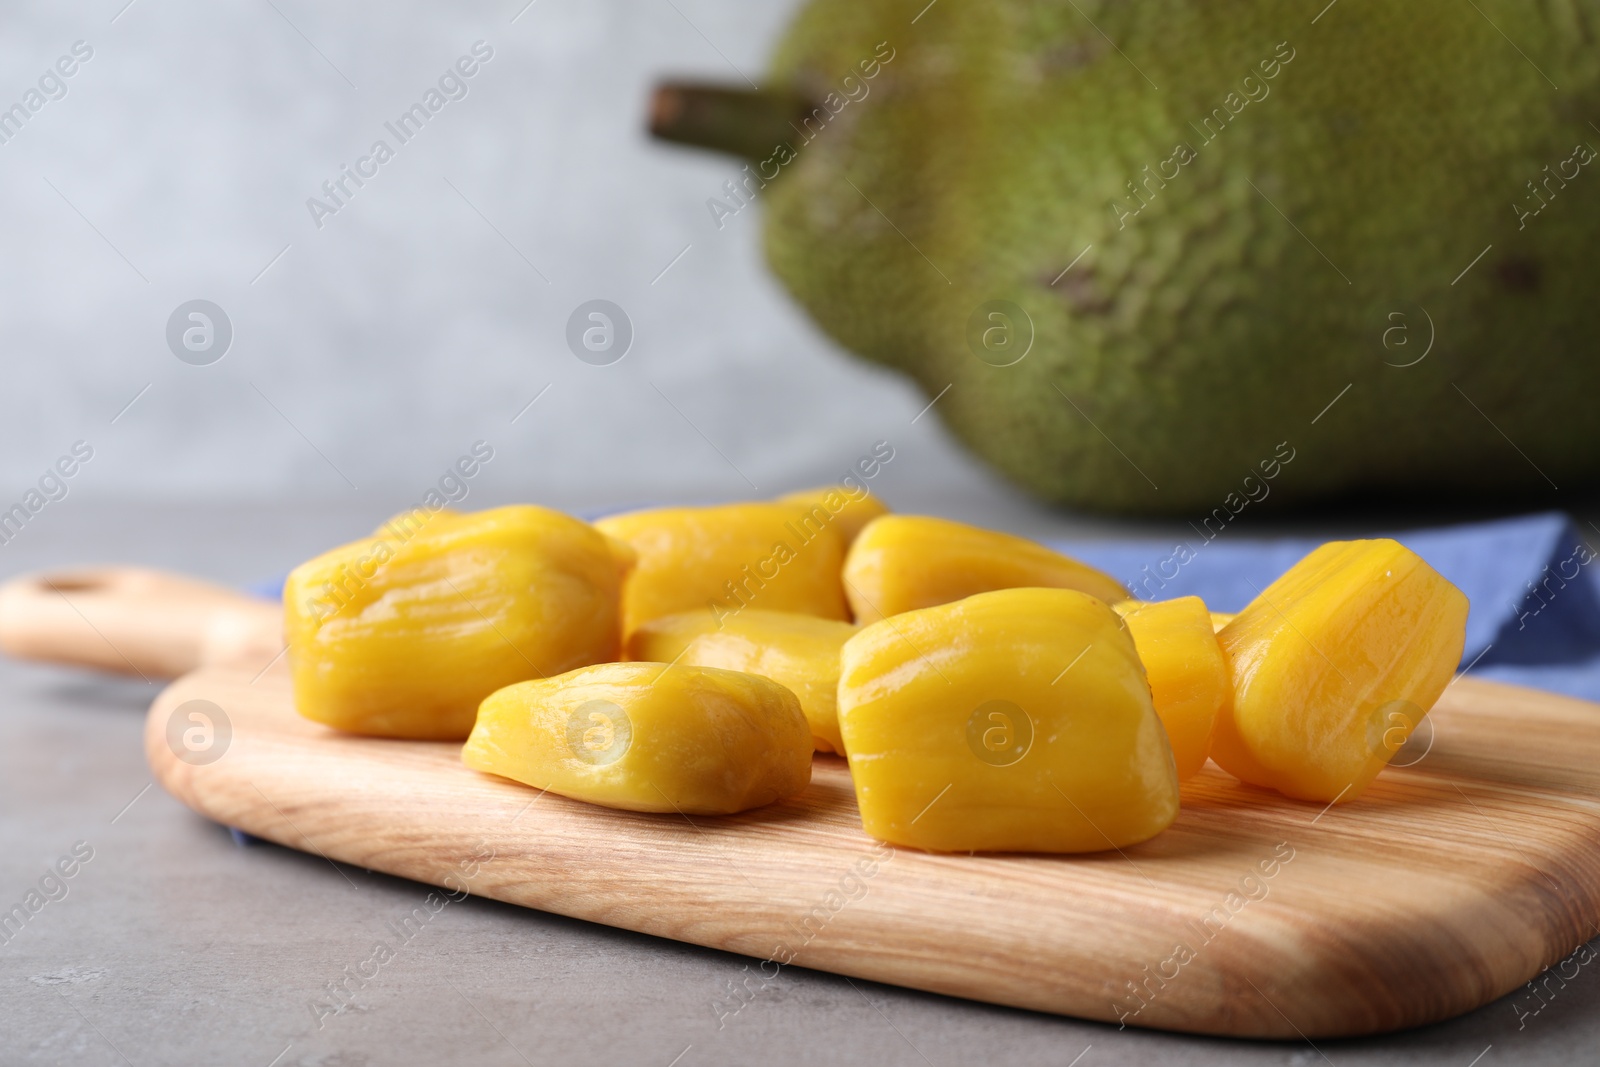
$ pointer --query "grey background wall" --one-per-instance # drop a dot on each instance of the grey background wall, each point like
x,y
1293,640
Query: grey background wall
x,y
432,306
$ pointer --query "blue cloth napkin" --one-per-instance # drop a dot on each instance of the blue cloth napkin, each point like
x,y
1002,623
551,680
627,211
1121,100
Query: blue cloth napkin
x,y
1531,580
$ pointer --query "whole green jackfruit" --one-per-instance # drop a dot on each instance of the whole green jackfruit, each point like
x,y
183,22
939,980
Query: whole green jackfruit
x,y
1142,251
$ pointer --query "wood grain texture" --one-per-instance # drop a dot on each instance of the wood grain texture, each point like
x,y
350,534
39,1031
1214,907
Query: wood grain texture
x,y
1447,885
131,620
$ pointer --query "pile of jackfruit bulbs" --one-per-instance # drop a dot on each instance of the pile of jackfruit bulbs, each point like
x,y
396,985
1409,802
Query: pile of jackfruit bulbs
x,y
990,694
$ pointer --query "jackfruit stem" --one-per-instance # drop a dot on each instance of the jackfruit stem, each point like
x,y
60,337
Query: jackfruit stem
x,y
749,123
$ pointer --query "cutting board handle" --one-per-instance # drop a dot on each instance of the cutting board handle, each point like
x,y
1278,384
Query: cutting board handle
x,y
135,621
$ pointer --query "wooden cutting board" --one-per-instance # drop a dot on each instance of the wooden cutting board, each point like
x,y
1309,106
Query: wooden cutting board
x,y
1450,883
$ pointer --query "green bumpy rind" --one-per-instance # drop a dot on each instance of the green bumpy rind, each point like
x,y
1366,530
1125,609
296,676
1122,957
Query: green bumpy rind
x,y
1317,239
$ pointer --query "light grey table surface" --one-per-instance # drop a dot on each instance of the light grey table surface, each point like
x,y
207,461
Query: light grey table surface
x,y
174,945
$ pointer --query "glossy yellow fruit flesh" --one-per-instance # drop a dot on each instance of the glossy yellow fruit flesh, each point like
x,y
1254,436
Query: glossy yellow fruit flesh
x,y
403,636
1016,720
1188,673
408,524
1334,665
721,560
648,737
904,562
848,509
799,652
1219,619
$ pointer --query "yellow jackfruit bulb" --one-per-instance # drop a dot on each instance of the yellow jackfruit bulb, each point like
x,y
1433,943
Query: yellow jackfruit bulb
x,y
903,562
799,652
402,635
407,524
1018,720
1334,665
849,509
720,560
648,737
1188,673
